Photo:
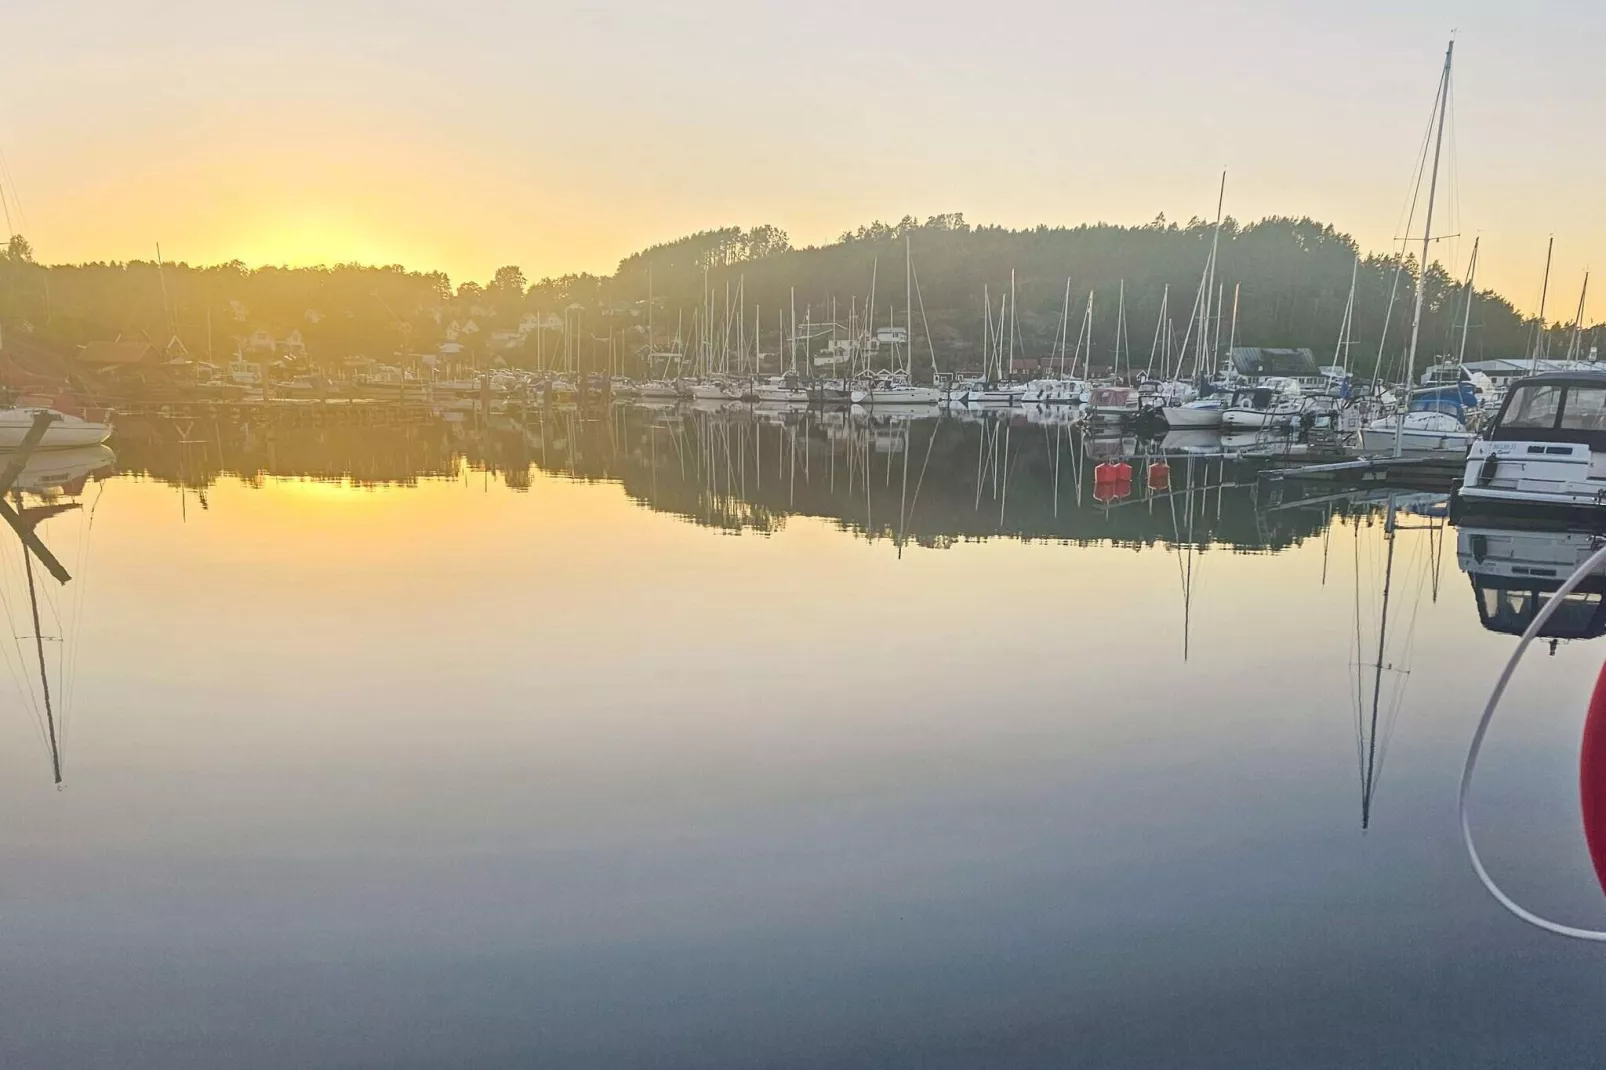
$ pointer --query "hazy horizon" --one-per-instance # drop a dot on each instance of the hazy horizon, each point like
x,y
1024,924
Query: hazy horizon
x,y
389,133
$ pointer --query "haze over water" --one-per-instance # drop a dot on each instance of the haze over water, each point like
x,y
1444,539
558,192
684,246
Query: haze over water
x,y
654,740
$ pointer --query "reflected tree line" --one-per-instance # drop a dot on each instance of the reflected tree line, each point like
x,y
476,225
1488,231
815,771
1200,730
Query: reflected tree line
x,y
929,482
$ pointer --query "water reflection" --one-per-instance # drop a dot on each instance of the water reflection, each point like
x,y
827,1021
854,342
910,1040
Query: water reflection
x,y
911,479
44,485
458,775
1514,571
1385,630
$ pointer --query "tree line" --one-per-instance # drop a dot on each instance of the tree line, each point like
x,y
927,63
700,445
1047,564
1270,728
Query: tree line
x,y
1283,281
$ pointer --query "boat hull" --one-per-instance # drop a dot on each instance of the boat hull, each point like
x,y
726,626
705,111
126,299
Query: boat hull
x,y
1255,419
67,432
914,395
1450,443
1183,418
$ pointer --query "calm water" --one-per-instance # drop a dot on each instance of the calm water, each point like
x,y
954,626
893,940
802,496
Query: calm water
x,y
686,740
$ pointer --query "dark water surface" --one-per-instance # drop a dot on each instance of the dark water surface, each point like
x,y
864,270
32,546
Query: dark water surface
x,y
687,740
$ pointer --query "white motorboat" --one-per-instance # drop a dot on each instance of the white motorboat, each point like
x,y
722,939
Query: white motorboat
x,y
781,390
1054,392
659,390
1422,432
64,432
1204,413
895,389
897,395
714,390
1545,448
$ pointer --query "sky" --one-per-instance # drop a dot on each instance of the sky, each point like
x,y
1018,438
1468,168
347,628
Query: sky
x,y
563,136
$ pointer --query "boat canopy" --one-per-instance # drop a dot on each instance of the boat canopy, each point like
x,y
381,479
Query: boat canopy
x,y
1557,407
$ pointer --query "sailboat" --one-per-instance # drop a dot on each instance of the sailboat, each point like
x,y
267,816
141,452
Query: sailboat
x,y
897,386
1185,412
1423,431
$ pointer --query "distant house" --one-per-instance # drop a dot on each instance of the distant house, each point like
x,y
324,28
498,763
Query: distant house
x,y
291,345
261,341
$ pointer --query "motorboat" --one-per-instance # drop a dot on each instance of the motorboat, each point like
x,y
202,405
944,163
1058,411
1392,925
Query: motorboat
x,y
1261,408
64,432
714,390
895,390
1112,403
782,390
1203,413
1423,431
1054,392
1546,447
659,390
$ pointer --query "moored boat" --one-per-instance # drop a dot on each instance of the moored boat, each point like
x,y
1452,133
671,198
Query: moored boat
x,y
64,432
1545,448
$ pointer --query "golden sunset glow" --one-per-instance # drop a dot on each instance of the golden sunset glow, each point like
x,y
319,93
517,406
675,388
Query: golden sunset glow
x,y
332,136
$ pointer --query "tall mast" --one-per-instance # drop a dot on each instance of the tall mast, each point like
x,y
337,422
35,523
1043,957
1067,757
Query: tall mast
x,y
1159,325
1120,326
1012,308
986,331
1210,271
1578,321
1341,358
1427,239
1232,332
1539,345
1466,315
908,311
1065,324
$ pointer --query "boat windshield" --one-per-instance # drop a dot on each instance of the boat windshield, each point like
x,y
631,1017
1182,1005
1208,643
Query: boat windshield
x,y
1554,412
1533,407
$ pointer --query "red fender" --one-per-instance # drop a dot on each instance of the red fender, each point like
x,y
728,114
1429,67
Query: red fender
x,y
1592,778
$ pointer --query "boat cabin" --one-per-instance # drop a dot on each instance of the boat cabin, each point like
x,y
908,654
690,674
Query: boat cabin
x,y
1546,447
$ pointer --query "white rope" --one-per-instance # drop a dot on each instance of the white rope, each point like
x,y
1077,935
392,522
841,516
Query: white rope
x,y
1596,559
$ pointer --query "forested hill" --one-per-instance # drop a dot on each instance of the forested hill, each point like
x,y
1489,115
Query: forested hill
x,y
1293,277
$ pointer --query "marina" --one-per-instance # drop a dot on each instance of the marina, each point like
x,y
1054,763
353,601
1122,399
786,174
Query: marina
x,y
548,539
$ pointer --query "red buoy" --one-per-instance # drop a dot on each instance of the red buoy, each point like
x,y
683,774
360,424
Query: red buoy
x,y
1159,475
1104,473
1592,778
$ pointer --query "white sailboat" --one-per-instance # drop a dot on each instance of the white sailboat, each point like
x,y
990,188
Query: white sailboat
x,y
897,388
1425,431
1208,412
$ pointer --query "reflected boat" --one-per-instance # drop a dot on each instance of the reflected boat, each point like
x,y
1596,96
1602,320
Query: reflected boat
x,y
1514,573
